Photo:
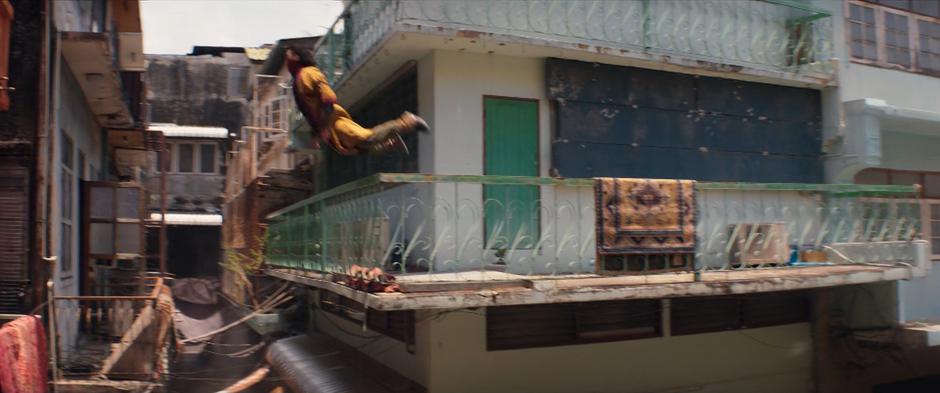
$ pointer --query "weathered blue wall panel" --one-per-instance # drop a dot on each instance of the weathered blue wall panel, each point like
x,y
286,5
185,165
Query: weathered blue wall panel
x,y
622,121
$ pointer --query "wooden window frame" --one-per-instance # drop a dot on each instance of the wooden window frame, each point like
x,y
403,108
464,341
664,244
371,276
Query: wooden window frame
x,y
913,37
174,157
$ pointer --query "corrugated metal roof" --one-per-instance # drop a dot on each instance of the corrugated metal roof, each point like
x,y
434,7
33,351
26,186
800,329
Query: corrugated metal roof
x,y
177,131
257,54
189,219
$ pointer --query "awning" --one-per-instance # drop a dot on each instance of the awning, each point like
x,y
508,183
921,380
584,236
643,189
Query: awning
x,y
316,363
177,131
203,219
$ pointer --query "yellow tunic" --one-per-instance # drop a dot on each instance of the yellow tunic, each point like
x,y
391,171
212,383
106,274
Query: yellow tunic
x,y
344,133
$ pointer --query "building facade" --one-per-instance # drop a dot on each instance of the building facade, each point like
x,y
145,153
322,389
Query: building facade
x,y
202,102
498,282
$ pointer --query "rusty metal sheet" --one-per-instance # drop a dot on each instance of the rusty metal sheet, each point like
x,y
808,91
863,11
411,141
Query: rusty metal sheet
x,y
624,121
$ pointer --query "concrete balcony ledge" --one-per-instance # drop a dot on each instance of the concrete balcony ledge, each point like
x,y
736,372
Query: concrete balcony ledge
x,y
472,289
773,41
93,61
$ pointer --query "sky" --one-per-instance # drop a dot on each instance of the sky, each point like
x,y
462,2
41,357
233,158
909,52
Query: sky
x,y
175,26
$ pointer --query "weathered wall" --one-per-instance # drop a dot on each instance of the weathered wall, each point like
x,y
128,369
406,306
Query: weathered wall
x,y
390,352
632,122
847,136
74,119
18,129
192,90
774,359
450,356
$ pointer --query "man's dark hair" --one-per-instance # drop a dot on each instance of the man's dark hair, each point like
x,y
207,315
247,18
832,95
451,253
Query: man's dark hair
x,y
306,55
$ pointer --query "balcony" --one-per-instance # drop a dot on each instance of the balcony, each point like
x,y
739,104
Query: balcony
x,y
779,39
122,341
440,233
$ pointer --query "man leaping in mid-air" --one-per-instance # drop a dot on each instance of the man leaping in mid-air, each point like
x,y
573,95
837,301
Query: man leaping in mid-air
x,y
331,124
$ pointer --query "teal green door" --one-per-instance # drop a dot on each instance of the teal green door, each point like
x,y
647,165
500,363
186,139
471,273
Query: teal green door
x,y
511,214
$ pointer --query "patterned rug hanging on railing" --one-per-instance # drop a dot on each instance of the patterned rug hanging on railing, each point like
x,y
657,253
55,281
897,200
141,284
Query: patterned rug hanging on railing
x,y
645,216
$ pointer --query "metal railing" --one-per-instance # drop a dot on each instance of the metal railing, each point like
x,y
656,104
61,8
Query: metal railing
x,y
95,333
414,223
777,35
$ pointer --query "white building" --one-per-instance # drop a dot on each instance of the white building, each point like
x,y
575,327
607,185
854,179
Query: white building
x,y
494,254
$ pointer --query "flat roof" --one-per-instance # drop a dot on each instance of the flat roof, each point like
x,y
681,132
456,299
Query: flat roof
x,y
177,131
201,219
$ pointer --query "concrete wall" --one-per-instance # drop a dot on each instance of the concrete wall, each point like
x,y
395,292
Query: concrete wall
x,y
415,365
775,359
916,152
193,192
192,90
72,117
846,136
450,356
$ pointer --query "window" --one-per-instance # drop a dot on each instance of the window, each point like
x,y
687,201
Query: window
x,y
6,22
862,25
267,117
923,7
195,157
697,315
207,158
399,325
901,34
237,82
114,219
276,113
543,325
929,55
185,153
67,199
897,40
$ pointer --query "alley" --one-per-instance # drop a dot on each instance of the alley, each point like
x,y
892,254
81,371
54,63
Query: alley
x,y
462,196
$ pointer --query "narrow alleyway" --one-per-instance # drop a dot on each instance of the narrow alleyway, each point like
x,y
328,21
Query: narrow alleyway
x,y
224,359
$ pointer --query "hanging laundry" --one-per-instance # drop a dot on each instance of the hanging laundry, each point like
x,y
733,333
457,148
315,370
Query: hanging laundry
x,y
23,356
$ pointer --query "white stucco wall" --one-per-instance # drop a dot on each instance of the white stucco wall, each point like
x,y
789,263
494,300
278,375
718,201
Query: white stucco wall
x,y
896,88
460,80
776,359
451,88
